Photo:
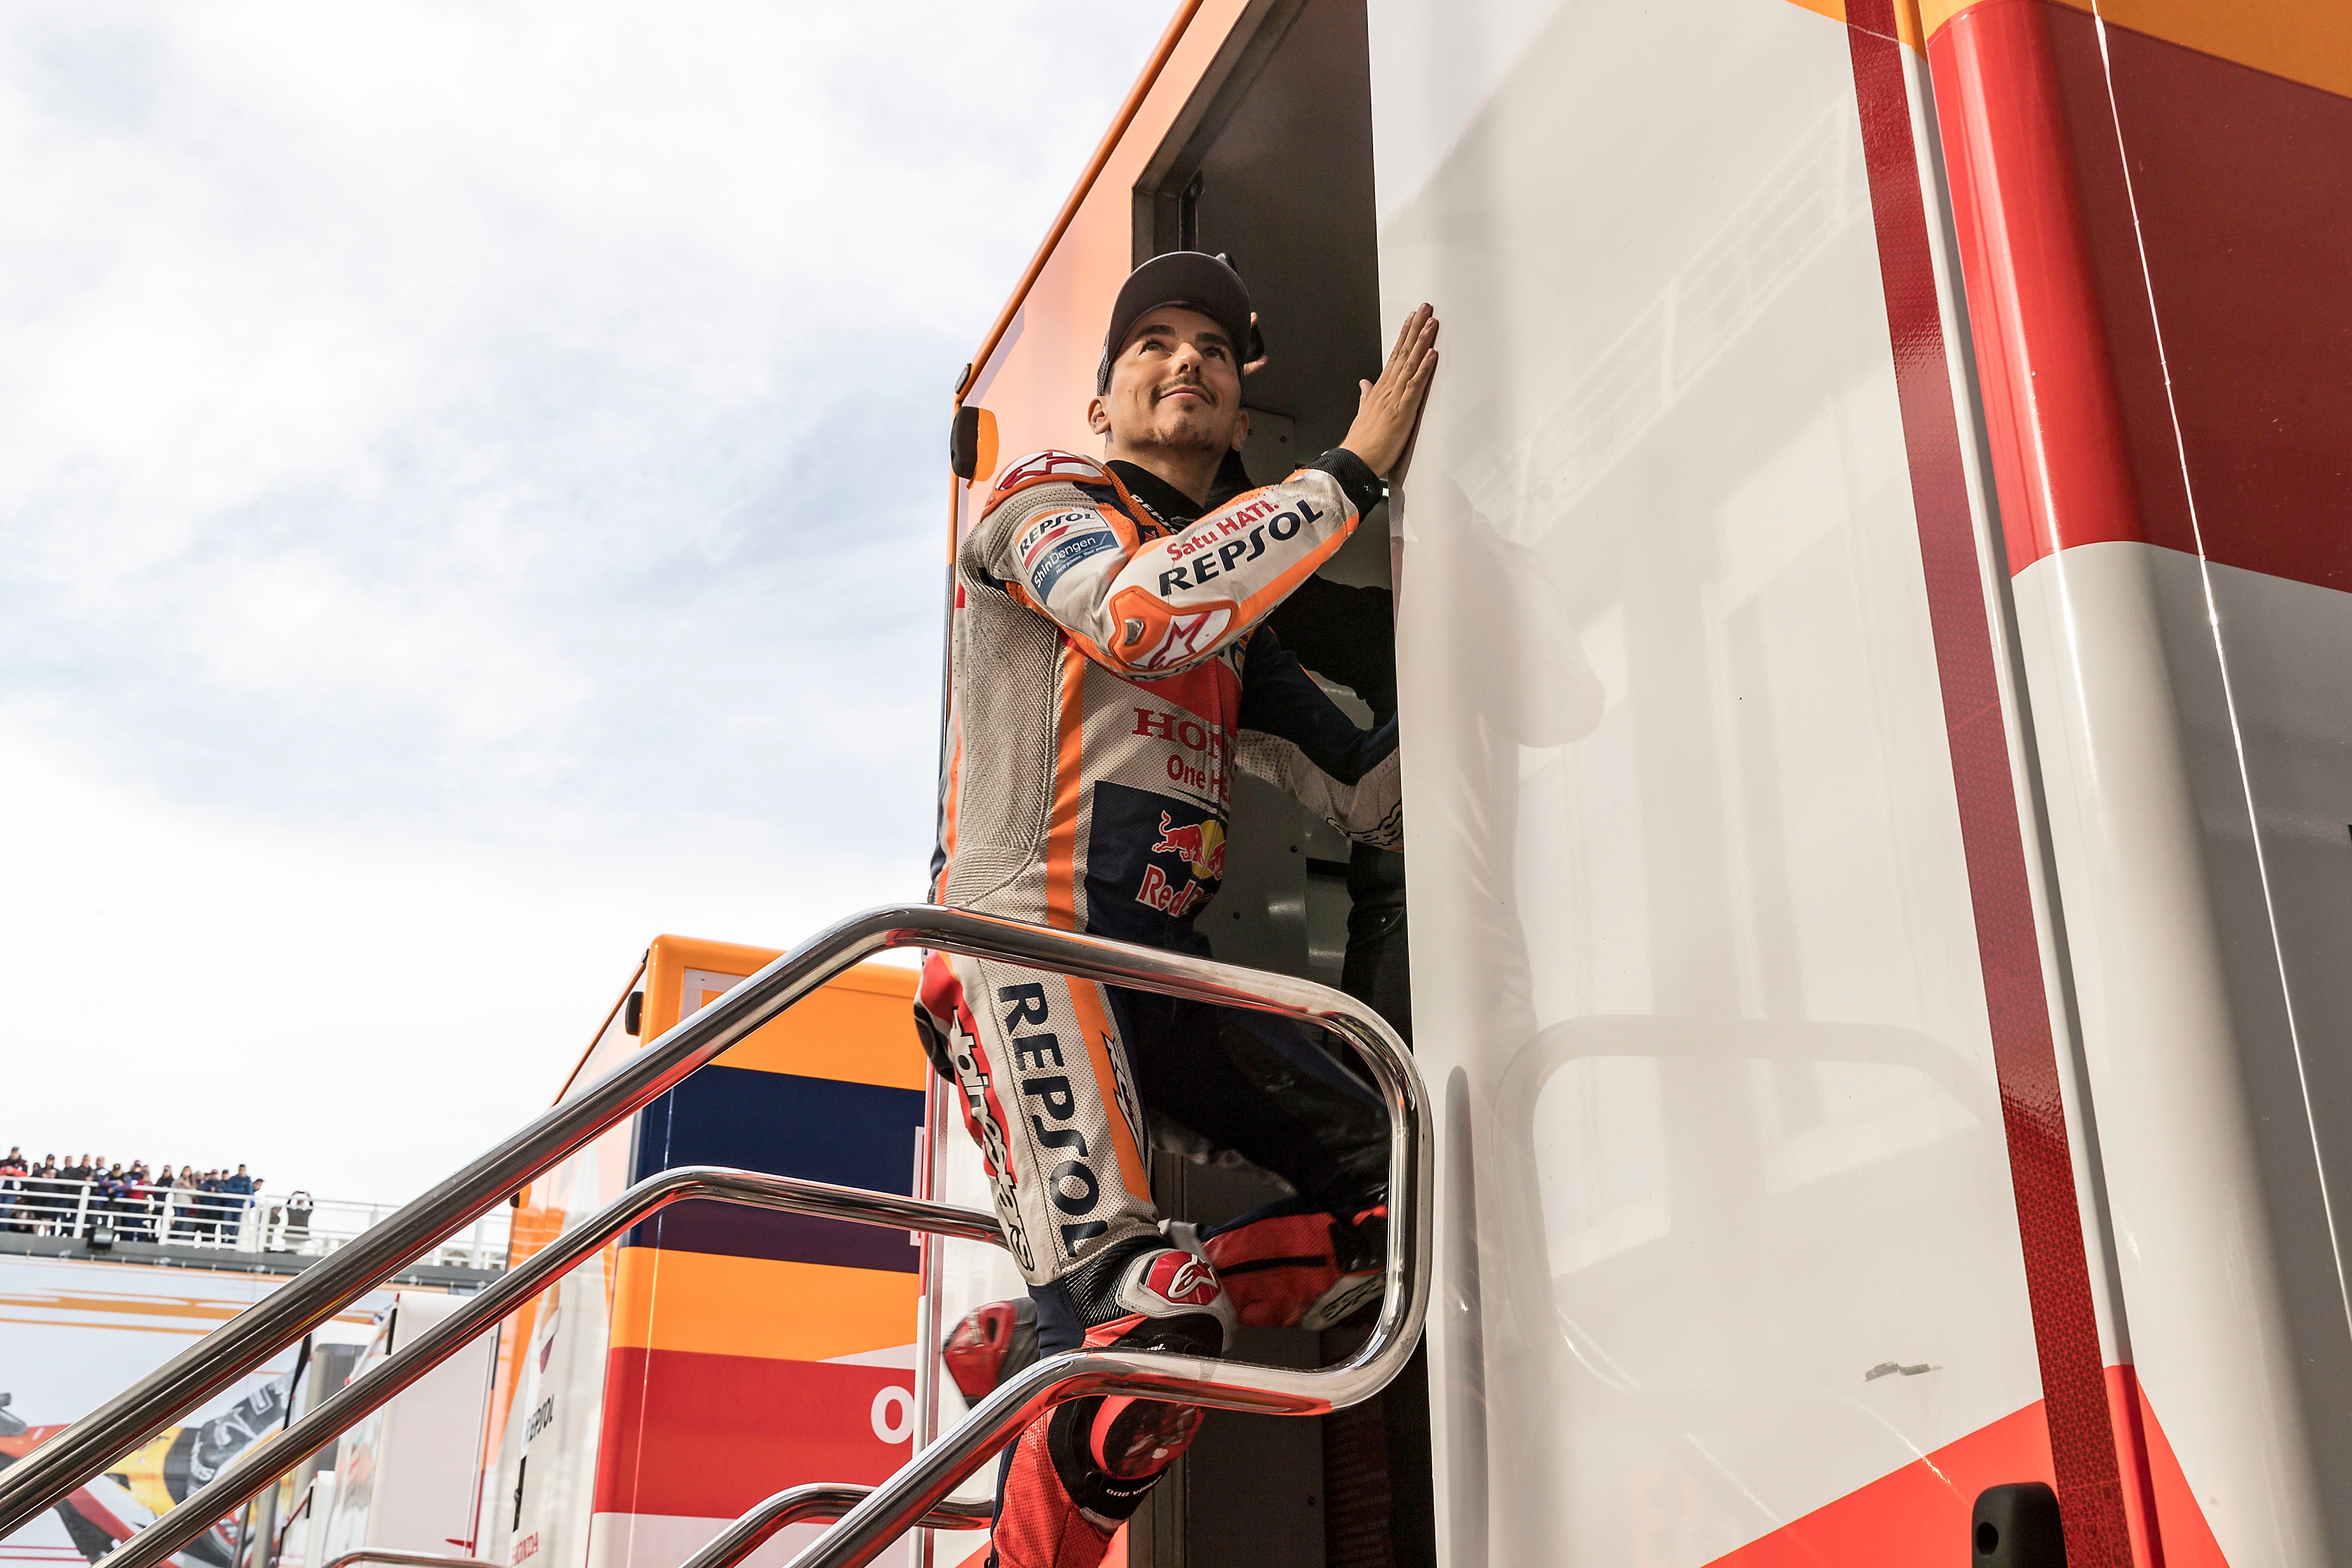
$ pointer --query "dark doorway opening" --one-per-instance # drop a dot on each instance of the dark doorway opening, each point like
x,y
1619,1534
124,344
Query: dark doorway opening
x,y
1270,164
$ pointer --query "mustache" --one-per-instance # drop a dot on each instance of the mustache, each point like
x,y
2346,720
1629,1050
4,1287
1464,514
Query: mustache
x,y
1194,382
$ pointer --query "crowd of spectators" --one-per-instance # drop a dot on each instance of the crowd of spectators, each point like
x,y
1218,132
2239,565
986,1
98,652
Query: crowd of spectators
x,y
72,1198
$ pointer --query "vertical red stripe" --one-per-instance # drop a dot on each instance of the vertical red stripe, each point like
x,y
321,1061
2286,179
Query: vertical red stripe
x,y
2050,1225
1062,822
2061,458
2060,463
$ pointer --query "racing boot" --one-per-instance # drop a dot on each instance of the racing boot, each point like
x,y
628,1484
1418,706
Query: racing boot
x,y
1078,1472
1290,1265
991,1343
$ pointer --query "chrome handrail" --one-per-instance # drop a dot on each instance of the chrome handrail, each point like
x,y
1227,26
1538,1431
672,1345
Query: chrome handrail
x,y
406,1559
255,1469
899,1503
825,1499
905,1500
136,1415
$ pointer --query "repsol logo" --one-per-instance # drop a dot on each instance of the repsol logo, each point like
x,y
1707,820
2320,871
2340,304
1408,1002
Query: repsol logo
x,y
1045,530
1211,560
540,1420
1050,1104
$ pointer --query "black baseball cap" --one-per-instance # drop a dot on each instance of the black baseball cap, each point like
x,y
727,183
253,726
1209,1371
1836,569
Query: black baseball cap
x,y
1193,278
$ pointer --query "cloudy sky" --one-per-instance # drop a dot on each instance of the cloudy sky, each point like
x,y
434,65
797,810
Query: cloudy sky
x,y
471,500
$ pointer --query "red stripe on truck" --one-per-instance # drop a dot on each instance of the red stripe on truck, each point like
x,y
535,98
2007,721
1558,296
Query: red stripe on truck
x,y
2178,327
2042,1173
1920,1513
708,1435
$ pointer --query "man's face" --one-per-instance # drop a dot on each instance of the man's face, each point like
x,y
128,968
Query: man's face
x,y
1176,383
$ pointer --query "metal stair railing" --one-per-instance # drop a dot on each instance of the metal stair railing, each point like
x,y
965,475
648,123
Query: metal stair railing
x,y
84,1449
826,1500
816,1500
256,1470
902,1502
406,1559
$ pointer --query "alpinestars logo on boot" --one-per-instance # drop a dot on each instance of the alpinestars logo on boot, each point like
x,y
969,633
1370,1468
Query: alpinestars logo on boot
x,y
1182,1278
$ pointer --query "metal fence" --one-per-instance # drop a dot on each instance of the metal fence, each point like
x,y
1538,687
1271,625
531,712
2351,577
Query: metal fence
x,y
292,1224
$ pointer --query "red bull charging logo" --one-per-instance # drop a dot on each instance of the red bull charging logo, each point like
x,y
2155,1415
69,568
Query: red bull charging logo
x,y
1202,847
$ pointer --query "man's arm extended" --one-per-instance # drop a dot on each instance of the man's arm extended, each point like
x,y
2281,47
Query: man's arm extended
x,y
1296,738
1148,609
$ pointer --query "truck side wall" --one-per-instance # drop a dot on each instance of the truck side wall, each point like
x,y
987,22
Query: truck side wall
x,y
1872,588
2159,249
1726,966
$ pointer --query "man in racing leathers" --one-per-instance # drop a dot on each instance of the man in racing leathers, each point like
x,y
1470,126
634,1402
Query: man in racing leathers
x,y
1108,668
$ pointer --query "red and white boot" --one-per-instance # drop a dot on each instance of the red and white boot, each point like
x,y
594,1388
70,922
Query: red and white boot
x,y
1081,1470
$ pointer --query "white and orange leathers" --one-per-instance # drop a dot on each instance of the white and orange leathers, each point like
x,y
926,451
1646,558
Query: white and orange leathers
x,y
1108,674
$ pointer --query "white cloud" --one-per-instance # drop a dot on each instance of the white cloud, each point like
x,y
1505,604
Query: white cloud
x,y
471,501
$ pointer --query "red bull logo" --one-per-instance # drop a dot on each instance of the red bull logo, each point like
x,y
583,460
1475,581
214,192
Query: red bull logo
x,y
1202,845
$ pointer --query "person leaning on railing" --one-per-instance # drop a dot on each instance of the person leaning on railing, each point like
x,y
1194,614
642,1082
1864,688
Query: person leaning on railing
x,y
65,1199
153,1188
65,1191
72,1181
126,1198
13,1171
33,1209
186,1214
237,1195
105,1194
160,1190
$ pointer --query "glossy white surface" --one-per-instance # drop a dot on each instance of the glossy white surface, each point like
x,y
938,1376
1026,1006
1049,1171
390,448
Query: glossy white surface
x,y
2190,1056
412,1471
2285,735
1693,941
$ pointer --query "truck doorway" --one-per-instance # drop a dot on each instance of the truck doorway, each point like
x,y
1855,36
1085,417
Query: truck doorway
x,y
1270,164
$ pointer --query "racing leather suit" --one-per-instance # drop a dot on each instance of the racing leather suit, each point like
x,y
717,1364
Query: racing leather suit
x,y
1108,670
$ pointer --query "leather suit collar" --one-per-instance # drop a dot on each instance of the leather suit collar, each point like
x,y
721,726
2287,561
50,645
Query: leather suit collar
x,y
1168,505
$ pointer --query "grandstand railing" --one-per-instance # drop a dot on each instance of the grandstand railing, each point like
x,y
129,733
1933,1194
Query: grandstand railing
x,y
291,1225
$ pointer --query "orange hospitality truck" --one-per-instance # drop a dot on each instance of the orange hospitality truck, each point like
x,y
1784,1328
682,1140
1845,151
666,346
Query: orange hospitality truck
x,y
1873,598
1871,610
